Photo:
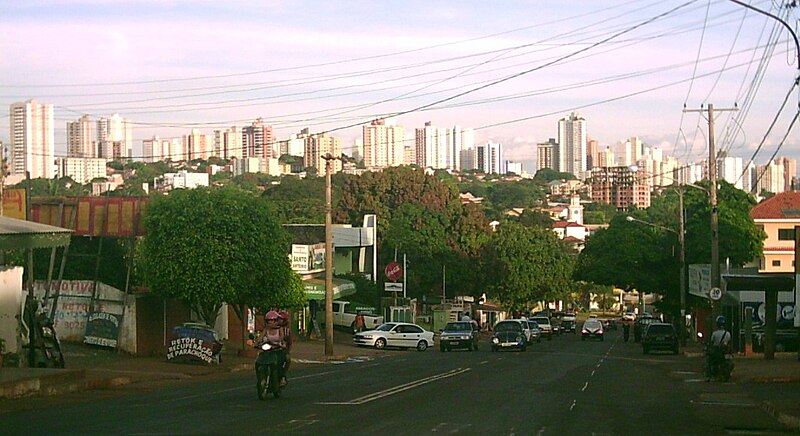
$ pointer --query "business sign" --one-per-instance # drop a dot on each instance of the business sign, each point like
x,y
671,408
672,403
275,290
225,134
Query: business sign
x,y
308,258
193,344
785,313
393,271
102,329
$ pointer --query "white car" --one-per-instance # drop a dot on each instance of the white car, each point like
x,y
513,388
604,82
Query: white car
x,y
629,316
395,334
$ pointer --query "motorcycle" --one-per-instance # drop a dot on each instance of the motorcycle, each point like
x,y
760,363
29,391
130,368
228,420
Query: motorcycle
x,y
269,370
717,365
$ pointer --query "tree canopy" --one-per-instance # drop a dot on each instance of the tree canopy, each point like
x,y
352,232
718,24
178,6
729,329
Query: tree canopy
x,y
207,247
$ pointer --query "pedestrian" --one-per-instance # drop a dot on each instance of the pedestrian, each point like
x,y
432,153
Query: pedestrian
x,y
358,324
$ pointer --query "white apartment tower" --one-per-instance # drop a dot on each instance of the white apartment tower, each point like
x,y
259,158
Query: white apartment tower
x,y
572,144
114,138
459,139
80,140
489,158
383,144
547,155
257,140
32,140
431,147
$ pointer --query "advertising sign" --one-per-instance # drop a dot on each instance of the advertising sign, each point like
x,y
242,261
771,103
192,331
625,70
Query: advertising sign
x,y
393,271
308,258
193,343
393,287
102,329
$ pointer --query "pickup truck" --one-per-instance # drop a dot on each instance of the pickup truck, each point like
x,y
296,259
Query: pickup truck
x,y
344,315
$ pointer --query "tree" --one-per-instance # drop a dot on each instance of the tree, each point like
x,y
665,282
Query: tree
x,y
207,247
536,218
548,175
522,264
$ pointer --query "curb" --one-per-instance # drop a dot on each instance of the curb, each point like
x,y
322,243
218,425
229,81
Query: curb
x,y
791,421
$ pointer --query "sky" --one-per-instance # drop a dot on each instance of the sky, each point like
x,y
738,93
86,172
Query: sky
x,y
508,69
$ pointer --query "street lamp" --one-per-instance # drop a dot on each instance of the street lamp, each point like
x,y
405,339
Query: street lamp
x,y
682,241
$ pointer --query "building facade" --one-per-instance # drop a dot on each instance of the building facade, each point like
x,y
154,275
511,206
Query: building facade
x,y
384,144
81,169
620,186
317,147
80,138
114,138
32,139
572,144
547,155
777,217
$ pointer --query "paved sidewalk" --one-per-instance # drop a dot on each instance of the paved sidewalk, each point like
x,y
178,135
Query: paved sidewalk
x,y
758,375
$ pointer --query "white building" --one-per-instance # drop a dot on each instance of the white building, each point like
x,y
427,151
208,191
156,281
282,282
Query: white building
x,y
489,158
228,143
729,168
431,147
269,166
114,138
80,169
197,145
572,144
514,167
317,147
182,180
167,149
459,138
32,139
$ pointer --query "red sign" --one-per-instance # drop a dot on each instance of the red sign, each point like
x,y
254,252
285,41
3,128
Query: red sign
x,y
393,271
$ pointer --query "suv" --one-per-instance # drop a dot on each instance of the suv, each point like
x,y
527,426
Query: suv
x,y
544,326
660,336
459,334
568,322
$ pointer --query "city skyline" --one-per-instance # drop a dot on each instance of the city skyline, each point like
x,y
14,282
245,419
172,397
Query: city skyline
x,y
173,67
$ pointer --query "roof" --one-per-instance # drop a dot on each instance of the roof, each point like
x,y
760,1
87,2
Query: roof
x,y
564,224
20,234
785,205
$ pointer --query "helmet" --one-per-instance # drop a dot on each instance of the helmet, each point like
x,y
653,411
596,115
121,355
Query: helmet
x,y
284,315
271,315
721,321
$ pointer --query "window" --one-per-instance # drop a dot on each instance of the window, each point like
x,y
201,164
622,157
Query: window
x,y
786,234
776,263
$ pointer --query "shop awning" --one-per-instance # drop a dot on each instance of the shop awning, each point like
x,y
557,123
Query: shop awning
x,y
20,235
315,288
489,307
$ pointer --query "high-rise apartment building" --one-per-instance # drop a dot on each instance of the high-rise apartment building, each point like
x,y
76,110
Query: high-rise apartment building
x,y
157,149
572,144
114,138
469,158
770,177
431,147
319,146
459,138
489,158
789,172
80,139
228,142
32,139
81,169
729,168
197,145
384,144
592,151
258,140
547,155
605,158
629,151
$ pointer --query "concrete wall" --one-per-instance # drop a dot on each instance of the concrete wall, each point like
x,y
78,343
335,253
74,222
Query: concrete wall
x,y
11,304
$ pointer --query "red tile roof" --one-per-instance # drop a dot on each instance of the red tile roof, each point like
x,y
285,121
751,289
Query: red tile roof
x,y
785,205
565,224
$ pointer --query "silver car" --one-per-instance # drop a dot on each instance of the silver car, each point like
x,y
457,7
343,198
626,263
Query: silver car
x,y
536,332
395,334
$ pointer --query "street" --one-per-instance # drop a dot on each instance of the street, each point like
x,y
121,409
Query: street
x,y
563,386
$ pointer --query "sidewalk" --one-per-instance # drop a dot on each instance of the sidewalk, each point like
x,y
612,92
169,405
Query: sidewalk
x,y
753,371
90,367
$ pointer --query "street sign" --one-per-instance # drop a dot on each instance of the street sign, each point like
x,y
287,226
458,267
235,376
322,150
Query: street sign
x,y
715,294
393,287
393,271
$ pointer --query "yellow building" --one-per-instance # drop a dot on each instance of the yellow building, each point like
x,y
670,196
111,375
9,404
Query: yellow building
x,y
777,217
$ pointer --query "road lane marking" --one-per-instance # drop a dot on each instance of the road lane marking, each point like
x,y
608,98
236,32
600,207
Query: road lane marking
x,y
206,394
593,373
573,405
397,389
483,362
585,385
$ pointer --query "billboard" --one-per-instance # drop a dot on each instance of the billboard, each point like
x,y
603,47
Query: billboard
x,y
308,258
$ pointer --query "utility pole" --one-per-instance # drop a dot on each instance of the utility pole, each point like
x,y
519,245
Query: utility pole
x,y
682,242
712,177
328,258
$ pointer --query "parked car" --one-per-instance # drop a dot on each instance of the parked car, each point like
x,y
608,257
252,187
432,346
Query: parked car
x,y
629,316
536,332
544,326
660,336
459,334
592,329
508,334
568,323
526,329
395,334
640,325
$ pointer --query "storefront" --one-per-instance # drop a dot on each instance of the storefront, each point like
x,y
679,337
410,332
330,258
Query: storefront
x,y
315,294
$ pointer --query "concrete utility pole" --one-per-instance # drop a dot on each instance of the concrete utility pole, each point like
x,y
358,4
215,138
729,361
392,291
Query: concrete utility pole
x,y
712,177
682,242
328,258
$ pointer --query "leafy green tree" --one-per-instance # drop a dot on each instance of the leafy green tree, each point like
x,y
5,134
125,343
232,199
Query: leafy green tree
x,y
207,247
599,213
536,218
548,175
504,195
525,264
300,201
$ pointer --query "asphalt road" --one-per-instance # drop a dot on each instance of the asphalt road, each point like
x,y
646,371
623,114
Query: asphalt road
x,y
563,386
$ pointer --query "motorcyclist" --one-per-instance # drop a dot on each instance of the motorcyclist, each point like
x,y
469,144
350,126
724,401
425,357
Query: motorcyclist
x,y
277,332
718,344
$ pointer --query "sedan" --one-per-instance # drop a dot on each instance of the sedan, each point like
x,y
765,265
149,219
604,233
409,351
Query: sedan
x,y
395,334
592,329
660,336
508,334
536,332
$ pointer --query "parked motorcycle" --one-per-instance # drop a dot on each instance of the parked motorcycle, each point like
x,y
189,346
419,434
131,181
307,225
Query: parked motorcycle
x,y
717,364
269,370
